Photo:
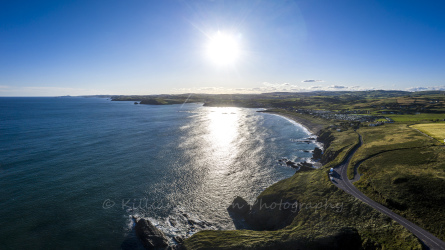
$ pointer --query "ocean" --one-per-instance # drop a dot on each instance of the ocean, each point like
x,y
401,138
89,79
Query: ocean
x,y
73,171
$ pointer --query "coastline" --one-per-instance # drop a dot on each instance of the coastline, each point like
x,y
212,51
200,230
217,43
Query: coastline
x,y
308,126
339,230
312,127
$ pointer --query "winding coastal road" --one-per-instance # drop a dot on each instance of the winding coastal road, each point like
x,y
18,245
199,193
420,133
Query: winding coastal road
x,y
341,181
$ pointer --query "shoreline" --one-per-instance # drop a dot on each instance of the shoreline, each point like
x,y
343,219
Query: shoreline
x,y
312,130
312,127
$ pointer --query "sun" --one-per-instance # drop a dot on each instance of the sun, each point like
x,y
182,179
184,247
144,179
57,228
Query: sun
x,y
223,48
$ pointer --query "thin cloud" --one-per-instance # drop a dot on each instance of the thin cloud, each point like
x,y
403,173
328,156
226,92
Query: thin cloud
x,y
338,87
414,89
311,80
269,87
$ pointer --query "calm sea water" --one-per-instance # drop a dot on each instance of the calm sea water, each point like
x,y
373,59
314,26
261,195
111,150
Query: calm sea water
x,y
74,170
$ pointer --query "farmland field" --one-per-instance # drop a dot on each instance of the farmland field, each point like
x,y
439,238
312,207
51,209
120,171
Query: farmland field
x,y
435,130
416,118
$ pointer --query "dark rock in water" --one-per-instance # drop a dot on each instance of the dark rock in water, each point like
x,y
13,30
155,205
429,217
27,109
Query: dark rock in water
x,y
317,154
311,138
239,206
179,239
194,223
172,222
136,103
150,236
307,151
291,164
283,161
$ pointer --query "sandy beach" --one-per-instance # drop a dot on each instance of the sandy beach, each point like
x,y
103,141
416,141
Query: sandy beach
x,y
312,127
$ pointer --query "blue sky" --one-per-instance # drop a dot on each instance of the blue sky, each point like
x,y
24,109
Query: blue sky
x,y
50,48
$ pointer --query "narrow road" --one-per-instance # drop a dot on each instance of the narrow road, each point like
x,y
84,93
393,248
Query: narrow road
x,y
341,181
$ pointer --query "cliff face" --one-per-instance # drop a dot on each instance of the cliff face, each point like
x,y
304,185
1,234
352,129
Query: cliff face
x,y
326,137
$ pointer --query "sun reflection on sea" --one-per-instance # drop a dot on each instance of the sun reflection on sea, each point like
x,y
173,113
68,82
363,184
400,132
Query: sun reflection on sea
x,y
223,128
221,144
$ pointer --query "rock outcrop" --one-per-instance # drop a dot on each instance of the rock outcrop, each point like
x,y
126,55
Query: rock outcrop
x,y
267,213
317,154
151,237
239,206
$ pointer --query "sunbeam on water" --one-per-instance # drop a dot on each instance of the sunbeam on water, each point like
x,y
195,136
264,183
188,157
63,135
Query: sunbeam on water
x,y
86,165
223,125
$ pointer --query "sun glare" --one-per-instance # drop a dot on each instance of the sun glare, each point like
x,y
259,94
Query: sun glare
x,y
223,130
223,48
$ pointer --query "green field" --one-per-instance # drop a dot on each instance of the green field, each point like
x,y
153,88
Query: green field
x,y
435,130
403,170
417,118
